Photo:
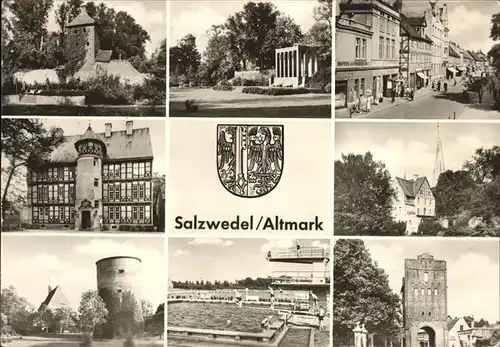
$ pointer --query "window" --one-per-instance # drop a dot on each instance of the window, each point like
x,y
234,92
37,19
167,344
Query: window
x,y
393,48
363,48
461,327
415,291
435,292
141,212
422,292
121,271
134,212
356,87
111,192
381,26
429,291
96,182
96,204
134,191
117,191
388,48
358,48
362,87
141,191
429,314
426,277
380,47
95,161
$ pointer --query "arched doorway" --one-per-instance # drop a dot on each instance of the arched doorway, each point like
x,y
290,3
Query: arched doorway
x,y
426,337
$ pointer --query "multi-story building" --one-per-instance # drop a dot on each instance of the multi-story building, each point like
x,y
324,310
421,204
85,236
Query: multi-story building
x,y
415,51
437,29
456,59
414,201
474,336
95,182
455,326
367,50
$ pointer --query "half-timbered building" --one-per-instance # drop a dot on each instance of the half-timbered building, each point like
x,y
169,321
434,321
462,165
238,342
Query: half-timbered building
x,y
95,182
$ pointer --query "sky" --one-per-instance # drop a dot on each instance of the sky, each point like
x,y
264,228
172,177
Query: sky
x,y
30,263
196,17
150,14
469,21
473,272
211,259
410,148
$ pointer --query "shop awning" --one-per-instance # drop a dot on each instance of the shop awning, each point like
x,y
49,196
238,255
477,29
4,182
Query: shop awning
x,y
461,68
450,69
422,76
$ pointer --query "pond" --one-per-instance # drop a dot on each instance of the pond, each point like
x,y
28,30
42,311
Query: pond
x,y
217,316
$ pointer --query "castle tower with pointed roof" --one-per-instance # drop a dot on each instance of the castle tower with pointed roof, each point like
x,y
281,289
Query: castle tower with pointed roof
x,y
88,199
84,23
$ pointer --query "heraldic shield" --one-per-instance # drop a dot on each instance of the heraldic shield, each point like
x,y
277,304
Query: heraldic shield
x,y
249,158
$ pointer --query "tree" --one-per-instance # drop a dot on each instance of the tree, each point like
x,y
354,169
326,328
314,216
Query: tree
x,y
363,197
250,32
362,293
429,227
155,86
485,164
129,314
30,18
321,31
92,311
26,142
65,317
184,57
147,308
495,27
453,192
17,310
66,12
159,186
44,319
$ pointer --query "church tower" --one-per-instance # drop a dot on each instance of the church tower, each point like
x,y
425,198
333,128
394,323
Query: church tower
x,y
88,199
424,295
439,160
84,23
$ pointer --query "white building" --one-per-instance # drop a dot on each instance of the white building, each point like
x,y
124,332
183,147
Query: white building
x,y
456,325
414,200
437,30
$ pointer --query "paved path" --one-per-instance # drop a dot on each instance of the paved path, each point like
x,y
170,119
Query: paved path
x,y
429,104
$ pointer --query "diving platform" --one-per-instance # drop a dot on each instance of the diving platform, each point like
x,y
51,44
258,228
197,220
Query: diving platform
x,y
306,255
301,279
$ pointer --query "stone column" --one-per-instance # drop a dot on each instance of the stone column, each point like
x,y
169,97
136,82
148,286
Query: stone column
x,y
298,65
281,64
290,56
357,337
309,65
286,64
364,335
316,68
276,64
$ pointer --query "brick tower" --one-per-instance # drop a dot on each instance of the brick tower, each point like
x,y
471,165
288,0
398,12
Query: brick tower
x,y
424,295
88,199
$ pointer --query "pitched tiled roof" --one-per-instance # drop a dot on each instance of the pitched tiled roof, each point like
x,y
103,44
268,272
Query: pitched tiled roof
x,y
474,56
89,135
453,53
103,56
411,187
82,19
55,299
417,21
121,68
409,29
118,146
451,323
467,55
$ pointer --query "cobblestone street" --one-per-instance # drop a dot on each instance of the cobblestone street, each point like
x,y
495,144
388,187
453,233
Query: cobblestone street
x,y
429,104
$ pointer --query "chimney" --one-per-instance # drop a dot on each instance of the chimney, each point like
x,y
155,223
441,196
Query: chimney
x,y
129,126
108,127
415,176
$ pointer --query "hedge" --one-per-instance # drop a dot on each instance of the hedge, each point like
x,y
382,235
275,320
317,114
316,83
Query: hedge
x,y
223,88
276,91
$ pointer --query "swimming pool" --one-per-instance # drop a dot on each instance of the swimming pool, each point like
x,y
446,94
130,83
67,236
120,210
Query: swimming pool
x,y
217,316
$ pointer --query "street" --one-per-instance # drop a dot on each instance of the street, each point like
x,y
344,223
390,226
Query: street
x,y
430,104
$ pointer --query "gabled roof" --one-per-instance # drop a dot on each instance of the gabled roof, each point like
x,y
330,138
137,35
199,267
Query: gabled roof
x,y
453,53
411,187
474,56
81,20
409,29
418,21
451,323
103,56
467,55
55,299
119,146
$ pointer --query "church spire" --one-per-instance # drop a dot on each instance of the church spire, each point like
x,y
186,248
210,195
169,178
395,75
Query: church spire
x,y
439,160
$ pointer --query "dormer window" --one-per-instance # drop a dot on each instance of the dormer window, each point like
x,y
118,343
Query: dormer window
x,y
121,271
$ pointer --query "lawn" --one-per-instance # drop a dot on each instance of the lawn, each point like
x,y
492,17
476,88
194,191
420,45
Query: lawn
x,y
98,111
28,341
214,103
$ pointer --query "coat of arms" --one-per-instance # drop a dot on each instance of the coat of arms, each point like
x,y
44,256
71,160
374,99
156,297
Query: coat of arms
x,y
249,158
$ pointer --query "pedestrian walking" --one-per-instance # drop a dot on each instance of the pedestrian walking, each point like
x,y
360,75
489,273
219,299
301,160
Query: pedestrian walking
x,y
393,95
480,95
298,248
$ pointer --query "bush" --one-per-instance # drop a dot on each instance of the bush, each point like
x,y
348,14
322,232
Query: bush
x,y
223,88
191,105
87,340
275,91
320,79
108,90
61,92
237,81
129,341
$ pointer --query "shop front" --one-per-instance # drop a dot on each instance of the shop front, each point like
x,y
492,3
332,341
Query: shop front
x,y
350,83
386,80
450,72
422,79
460,70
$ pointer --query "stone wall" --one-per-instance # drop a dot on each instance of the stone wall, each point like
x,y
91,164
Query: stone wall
x,y
43,100
254,74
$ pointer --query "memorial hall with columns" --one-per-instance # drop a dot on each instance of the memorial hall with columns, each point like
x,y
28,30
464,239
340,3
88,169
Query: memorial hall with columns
x,y
295,65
